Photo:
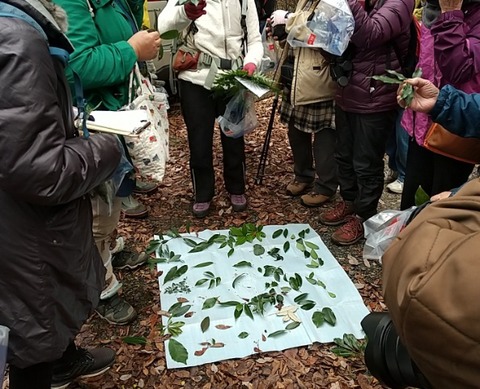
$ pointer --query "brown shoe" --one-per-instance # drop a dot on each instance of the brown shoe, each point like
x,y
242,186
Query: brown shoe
x,y
338,214
350,233
296,188
314,199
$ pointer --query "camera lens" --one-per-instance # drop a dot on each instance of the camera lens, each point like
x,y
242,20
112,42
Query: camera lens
x,y
386,357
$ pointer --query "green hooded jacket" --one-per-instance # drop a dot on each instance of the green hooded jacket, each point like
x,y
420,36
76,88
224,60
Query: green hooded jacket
x,y
99,30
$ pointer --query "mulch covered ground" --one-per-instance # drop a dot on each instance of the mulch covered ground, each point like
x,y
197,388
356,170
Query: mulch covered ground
x,y
143,366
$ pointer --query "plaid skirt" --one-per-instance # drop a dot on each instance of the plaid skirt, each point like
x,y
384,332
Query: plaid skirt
x,y
309,118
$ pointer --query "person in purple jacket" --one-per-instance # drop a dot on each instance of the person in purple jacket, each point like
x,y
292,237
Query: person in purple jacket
x,y
366,111
449,54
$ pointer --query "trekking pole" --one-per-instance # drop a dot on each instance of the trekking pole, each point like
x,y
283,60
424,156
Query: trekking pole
x,y
266,144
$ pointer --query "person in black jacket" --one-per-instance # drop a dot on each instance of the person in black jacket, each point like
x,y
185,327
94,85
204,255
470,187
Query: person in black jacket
x,y
51,274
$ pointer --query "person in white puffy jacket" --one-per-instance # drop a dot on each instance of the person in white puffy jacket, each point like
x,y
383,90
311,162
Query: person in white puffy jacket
x,y
223,35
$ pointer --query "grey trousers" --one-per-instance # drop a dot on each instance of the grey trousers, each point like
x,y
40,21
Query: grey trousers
x,y
317,148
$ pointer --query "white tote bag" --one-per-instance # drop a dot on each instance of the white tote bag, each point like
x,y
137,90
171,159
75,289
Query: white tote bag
x,y
149,150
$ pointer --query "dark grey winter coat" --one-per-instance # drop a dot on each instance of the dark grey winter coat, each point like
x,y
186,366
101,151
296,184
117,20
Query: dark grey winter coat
x,y
51,274
374,52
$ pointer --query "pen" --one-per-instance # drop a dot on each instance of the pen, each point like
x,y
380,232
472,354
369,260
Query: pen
x,y
140,129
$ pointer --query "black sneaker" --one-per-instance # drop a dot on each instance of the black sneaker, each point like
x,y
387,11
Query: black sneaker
x,y
116,310
84,364
128,259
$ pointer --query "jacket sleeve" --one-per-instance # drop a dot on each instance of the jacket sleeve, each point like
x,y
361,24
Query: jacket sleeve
x,y
97,64
173,17
457,46
458,112
37,162
375,29
254,40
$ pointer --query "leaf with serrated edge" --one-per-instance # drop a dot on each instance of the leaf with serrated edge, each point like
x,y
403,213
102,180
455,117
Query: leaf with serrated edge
x,y
177,351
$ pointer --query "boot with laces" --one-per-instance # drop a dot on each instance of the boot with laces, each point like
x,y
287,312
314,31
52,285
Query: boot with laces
x,y
81,363
296,188
338,214
350,233
116,310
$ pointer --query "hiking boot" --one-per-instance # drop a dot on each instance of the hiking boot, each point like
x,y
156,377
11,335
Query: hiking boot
x,y
296,188
128,259
201,209
116,310
84,364
144,187
133,208
239,202
338,214
350,233
314,199
396,186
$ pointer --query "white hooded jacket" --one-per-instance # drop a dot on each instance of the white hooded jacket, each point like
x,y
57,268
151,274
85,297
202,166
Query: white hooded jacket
x,y
219,34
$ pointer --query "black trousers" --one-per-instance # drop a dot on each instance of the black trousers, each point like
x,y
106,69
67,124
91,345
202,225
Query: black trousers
x,y
321,152
38,376
199,109
359,152
435,173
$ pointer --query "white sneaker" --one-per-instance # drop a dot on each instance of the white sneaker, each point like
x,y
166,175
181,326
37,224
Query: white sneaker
x,y
395,186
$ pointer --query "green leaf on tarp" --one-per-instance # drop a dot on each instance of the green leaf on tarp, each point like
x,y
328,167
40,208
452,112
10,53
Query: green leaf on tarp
x,y
177,351
204,264
243,335
134,340
238,311
286,246
277,233
277,333
205,323
258,249
421,196
318,318
228,303
237,278
243,264
300,298
292,325
330,317
209,303
248,311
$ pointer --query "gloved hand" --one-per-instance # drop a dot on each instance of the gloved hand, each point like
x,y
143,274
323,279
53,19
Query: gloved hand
x,y
250,68
279,17
195,11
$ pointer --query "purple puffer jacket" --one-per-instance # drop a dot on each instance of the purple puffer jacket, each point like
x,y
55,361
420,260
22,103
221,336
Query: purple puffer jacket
x,y
374,53
454,43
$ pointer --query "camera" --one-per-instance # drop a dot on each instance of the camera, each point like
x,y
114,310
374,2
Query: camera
x,y
341,71
386,357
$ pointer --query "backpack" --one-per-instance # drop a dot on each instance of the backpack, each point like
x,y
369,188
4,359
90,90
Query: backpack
x,y
431,288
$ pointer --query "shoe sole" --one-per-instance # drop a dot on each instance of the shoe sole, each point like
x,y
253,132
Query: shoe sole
x,y
135,215
239,208
201,214
346,243
116,323
394,191
313,205
305,191
332,224
90,375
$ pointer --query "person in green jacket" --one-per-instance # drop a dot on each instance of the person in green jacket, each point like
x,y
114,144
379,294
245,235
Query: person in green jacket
x,y
107,44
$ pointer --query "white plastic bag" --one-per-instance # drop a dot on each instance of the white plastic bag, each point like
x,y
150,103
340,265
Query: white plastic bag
x,y
330,28
149,151
240,117
381,229
270,54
